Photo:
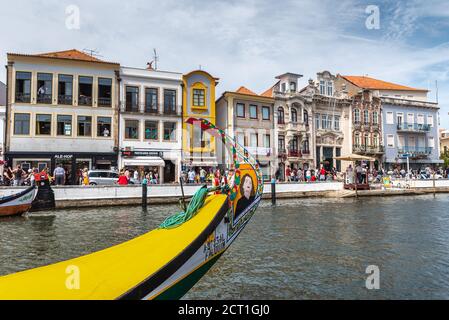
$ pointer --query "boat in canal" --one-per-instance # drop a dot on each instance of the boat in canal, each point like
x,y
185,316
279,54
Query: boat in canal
x,y
164,263
18,203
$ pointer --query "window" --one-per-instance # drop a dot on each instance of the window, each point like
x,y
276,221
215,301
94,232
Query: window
x,y
375,118
366,140
356,116
151,130
253,140
85,91
65,89
253,111
104,92
375,140
23,87
281,143
170,101
306,146
198,97
132,99
337,123
266,113
410,118
44,88
322,87
64,125
240,110
43,124
84,126
329,122
357,139
281,119
170,131
390,141
240,137
292,86
266,141
103,126
317,120
21,123
131,129
430,120
151,100
366,117
431,142
400,118
306,117
294,115
283,87
330,88
420,119
326,121
198,139
389,119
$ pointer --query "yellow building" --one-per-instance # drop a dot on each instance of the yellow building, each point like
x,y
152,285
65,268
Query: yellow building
x,y
199,148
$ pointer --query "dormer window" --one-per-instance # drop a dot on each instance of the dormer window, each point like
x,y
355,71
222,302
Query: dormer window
x,y
330,89
322,87
283,87
292,86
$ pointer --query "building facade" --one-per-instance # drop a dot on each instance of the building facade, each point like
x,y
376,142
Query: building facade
x,y
198,147
62,109
410,131
444,142
249,118
150,120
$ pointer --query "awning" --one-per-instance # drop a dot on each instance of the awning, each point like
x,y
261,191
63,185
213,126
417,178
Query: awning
x,y
355,157
145,162
203,164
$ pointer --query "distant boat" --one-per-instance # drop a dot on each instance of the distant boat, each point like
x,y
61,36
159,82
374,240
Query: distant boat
x,y
162,264
18,203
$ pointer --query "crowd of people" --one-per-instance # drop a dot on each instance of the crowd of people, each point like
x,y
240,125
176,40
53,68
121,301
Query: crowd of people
x,y
306,175
216,177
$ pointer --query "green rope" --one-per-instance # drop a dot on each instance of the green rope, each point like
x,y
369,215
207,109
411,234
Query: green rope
x,y
196,203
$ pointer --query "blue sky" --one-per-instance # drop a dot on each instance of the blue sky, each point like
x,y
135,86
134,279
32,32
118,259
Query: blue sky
x,y
247,42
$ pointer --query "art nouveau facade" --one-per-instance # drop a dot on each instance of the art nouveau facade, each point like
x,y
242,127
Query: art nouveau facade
x,y
199,149
62,108
150,120
249,118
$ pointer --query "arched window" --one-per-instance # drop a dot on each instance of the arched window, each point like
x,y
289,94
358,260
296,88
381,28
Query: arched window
x,y
306,117
375,140
305,147
375,117
366,140
356,116
366,117
357,139
281,119
294,116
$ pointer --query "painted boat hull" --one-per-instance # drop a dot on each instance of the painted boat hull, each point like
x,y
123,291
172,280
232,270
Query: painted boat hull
x,y
17,204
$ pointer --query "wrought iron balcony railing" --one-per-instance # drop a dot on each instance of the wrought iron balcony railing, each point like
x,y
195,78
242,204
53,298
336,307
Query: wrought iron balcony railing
x,y
23,97
65,99
104,102
413,127
415,150
45,98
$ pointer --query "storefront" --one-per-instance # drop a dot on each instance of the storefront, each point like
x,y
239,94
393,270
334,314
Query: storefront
x,y
73,163
145,161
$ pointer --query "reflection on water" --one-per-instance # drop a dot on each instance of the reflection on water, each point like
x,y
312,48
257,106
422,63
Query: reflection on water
x,y
301,249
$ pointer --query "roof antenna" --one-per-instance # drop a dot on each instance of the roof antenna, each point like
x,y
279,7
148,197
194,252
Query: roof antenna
x,y
92,52
155,59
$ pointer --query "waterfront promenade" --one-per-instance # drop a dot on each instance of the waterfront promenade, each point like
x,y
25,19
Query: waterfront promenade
x,y
87,196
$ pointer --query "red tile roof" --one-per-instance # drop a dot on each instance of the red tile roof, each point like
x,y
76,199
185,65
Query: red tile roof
x,y
72,54
375,84
244,90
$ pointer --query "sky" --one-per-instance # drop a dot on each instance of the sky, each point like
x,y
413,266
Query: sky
x,y
246,42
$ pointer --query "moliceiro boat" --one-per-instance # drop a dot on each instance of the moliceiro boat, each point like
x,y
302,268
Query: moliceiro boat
x,y
18,203
164,263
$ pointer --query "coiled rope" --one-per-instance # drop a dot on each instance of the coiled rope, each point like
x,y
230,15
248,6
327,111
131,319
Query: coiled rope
x,y
195,204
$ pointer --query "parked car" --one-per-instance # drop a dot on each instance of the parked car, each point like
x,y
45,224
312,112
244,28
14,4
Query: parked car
x,y
102,177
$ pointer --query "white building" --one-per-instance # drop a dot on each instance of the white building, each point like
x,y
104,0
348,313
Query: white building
x,y
62,109
2,123
150,122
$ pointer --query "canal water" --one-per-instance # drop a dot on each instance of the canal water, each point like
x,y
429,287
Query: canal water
x,y
300,249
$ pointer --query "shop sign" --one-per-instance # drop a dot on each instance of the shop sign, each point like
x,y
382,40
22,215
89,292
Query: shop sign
x,y
63,156
136,153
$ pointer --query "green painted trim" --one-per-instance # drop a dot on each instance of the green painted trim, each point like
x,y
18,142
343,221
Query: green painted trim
x,y
177,291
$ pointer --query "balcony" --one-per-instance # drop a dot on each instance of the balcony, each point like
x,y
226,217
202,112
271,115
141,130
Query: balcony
x,y
170,110
104,102
23,97
294,153
415,152
297,126
65,99
363,149
260,151
129,107
413,127
84,101
154,109
282,153
44,98
306,152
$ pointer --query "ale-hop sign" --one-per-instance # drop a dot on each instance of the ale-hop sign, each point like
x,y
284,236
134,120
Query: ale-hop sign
x,y
63,156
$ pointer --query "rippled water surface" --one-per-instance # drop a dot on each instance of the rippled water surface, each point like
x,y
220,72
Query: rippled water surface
x,y
300,249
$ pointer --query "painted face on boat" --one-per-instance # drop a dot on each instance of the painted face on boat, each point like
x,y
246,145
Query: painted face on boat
x,y
247,187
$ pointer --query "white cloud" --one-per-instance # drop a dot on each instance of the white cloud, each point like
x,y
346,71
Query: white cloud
x,y
245,42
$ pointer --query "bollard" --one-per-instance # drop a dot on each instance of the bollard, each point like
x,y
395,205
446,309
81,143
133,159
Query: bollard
x,y
45,197
144,193
434,188
273,191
